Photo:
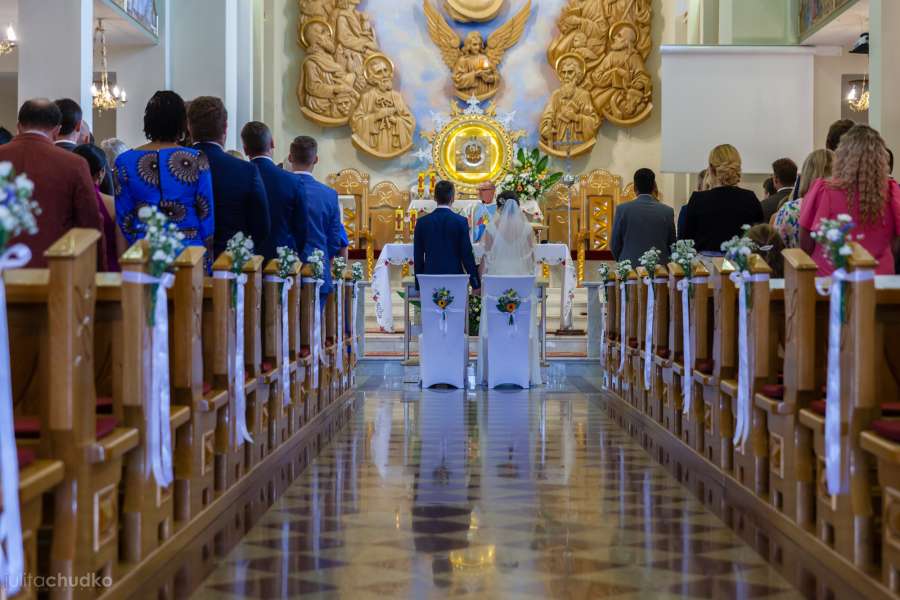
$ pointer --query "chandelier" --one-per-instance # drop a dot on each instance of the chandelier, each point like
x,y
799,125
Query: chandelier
x,y
104,97
9,44
858,96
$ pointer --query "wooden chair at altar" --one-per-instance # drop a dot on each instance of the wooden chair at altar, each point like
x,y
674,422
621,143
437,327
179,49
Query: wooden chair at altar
x,y
560,216
628,194
599,193
351,182
384,199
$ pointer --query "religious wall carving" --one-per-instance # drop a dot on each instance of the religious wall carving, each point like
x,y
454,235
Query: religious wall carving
x,y
475,64
469,11
610,40
345,79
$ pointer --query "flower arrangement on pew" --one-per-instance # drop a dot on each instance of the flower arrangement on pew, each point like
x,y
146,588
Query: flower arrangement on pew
x,y
649,260
240,249
287,262
338,266
737,251
623,268
316,261
356,271
17,215
604,272
683,254
833,235
165,242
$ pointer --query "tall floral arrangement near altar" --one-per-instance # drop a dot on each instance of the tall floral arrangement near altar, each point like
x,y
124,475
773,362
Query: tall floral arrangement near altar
x,y
530,176
17,215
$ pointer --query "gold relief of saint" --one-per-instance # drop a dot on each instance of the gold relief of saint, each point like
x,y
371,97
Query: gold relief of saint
x,y
622,87
314,9
382,123
569,117
354,38
474,64
326,90
584,30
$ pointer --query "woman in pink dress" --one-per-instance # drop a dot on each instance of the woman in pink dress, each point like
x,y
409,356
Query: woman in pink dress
x,y
860,187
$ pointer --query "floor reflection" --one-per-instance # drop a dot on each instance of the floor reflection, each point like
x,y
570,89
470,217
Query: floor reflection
x,y
494,495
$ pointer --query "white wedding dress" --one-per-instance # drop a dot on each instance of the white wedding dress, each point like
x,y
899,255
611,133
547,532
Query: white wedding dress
x,y
509,250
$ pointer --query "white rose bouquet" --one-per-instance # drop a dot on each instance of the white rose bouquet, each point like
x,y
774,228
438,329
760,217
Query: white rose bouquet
x,y
165,242
650,260
17,209
316,260
338,266
240,249
357,270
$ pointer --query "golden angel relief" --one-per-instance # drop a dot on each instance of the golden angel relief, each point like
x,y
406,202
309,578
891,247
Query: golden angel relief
x,y
473,63
345,79
600,54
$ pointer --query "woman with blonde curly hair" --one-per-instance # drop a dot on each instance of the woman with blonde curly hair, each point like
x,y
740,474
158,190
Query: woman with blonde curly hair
x,y
719,213
859,186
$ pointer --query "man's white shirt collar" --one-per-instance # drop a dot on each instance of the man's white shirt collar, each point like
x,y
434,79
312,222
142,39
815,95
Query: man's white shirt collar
x,y
57,142
304,173
265,156
37,132
221,147
788,188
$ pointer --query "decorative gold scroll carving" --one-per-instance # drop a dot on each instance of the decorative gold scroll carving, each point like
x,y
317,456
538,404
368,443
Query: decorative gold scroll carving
x,y
474,63
345,79
613,40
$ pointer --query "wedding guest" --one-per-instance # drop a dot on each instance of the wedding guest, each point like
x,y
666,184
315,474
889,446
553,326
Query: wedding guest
x,y
836,132
487,192
115,243
241,202
784,176
62,182
112,147
287,207
787,220
769,246
5,136
70,126
325,231
164,174
716,215
859,186
702,185
643,223
769,188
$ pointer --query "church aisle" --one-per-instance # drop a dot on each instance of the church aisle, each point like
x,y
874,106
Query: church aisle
x,y
488,495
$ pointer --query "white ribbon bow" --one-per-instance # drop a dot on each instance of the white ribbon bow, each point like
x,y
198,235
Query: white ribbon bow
x,y
623,340
159,435
687,383
354,342
316,349
339,354
604,309
442,314
834,457
648,334
242,434
286,285
12,559
513,323
744,404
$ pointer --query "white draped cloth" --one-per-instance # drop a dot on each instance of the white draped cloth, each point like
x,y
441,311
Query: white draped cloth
x,y
509,251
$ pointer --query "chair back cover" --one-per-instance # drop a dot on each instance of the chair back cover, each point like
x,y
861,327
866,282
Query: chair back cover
x,y
443,348
507,305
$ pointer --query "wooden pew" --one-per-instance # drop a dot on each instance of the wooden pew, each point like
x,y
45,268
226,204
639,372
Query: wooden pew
x,y
673,364
660,354
637,305
694,425
195,446
52,360
257,392
611,363
299,387
791,467
845,522
329,335
308,304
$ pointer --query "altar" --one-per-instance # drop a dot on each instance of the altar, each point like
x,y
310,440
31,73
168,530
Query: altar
x,y
547,256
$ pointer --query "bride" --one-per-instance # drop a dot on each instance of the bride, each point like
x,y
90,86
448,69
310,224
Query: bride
x,y
509,250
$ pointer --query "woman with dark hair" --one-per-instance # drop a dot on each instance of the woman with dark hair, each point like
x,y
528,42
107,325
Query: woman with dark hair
x,y
96,160
164,174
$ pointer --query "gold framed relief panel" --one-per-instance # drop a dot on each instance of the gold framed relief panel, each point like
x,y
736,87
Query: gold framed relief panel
x,y
471,150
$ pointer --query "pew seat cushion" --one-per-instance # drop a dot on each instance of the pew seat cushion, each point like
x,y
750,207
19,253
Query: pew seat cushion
x,y
772,390
26,457
267,366
663,352
305,351
888,429
705,365
818,406
30,427
890,409
105,426
104,405
207,387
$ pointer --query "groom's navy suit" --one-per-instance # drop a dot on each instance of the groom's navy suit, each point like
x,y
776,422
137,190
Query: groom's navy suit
x,y
442,246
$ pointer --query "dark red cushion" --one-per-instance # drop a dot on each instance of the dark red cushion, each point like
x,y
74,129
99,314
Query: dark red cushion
x,y
890,409
888,429
26,456
632,342
817,406
267,366
207,387
104,405
28,427
305,351
105,426
663,352
773,390
781,378
705,365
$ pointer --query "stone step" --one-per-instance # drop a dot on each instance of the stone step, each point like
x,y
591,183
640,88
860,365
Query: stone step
x,y
390,345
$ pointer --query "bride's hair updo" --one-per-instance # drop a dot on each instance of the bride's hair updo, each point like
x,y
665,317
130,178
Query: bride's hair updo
x,y
507,195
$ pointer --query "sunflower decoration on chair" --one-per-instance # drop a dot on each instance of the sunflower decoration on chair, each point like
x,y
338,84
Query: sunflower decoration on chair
x,y
442,298
508,303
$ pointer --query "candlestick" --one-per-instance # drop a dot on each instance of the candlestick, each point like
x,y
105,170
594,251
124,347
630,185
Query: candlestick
x,y
432,183
413,216
421,184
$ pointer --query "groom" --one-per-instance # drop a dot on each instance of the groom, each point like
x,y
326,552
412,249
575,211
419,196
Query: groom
x,y
441,241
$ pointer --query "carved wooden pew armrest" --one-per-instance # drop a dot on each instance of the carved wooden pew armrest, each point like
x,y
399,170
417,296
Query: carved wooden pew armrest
x,y
881,447
178,416
214,400
39,477
115,445
773,406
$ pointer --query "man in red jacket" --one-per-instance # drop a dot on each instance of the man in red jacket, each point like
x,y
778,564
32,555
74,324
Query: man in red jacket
x,y
62,181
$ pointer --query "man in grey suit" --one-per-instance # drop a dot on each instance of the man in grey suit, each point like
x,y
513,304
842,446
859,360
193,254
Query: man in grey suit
x,y
784,176
643,223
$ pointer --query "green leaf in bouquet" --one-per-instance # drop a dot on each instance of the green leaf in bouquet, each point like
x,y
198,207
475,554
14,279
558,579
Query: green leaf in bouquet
x,y
521,155
552,180
542,164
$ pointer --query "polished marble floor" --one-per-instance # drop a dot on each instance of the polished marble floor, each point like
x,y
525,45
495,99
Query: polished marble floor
x,y
506,494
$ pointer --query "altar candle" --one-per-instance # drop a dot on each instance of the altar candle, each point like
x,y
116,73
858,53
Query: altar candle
x,y
413,215
432,184
398,220
421,185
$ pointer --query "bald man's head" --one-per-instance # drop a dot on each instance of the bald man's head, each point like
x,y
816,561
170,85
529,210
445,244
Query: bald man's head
x,y
39,114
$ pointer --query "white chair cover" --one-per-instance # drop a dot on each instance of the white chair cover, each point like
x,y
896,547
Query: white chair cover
x,y
508,340
443,351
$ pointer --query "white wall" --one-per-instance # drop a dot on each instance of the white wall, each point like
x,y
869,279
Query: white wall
x,y
9,100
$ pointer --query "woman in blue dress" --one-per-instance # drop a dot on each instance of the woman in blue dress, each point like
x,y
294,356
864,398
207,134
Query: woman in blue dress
x,y
164,174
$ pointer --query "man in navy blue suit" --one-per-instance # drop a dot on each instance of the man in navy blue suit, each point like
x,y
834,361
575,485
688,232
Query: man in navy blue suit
x,y
239,196
287,208
325,230
441,242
